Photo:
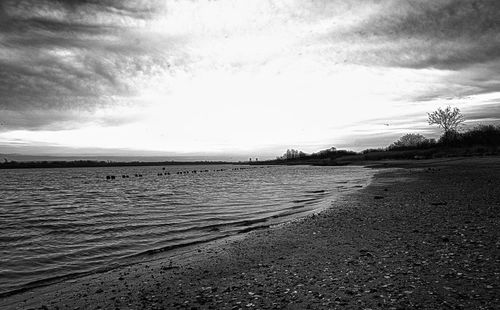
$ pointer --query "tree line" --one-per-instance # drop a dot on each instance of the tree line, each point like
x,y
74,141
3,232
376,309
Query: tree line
x,y
481,139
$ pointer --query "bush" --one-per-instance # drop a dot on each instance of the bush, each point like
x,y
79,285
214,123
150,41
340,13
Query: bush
x,y
292,154
412,141
487,135
450,138
367,151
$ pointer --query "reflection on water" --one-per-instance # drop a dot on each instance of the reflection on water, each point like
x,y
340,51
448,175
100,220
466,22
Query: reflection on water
x,y
57,222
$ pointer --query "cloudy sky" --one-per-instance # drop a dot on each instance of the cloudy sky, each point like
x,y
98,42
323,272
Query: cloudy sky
x,y
245,77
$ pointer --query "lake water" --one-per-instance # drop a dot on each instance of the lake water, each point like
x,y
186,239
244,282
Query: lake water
x,y
60,223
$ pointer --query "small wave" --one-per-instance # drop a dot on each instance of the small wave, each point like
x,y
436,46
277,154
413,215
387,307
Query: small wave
x,y
173,246
86,227
316,191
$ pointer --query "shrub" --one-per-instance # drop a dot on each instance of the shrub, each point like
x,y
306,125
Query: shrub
x,y
367,151
487,135
411,141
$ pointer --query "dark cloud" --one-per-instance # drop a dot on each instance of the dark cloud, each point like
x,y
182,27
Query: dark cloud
x,y
482,78
439,19
460,37
61,57
57,118
26,9
486,113
49,83
136,8
429,34
40,119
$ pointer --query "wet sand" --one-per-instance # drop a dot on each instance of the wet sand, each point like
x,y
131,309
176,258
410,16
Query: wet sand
x,y
424,236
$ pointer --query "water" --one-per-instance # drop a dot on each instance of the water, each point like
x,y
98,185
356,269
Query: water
x,y
65,222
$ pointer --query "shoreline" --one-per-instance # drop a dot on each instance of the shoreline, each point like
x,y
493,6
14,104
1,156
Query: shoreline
x,y
321,199
424,236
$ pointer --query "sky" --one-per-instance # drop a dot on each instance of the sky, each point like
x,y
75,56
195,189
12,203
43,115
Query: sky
x,y
239,77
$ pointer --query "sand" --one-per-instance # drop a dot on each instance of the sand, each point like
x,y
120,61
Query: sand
x,y
423,236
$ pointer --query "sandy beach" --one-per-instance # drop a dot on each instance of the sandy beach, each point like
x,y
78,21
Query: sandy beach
x,y
423,235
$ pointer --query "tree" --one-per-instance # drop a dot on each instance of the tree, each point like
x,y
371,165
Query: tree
x,y
291,154
409,140
447,119
325,153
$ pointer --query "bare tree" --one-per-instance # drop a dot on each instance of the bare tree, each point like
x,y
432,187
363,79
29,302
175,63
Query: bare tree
x,y
448,119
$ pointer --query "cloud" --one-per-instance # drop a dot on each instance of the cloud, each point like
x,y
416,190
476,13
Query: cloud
x,y
68,64
455,42
421,34
102,11
61,57
486,113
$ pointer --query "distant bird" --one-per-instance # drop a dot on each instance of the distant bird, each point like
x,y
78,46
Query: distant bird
x,y
386,124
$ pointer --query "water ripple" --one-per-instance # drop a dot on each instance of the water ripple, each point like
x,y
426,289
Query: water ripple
x,y
60,223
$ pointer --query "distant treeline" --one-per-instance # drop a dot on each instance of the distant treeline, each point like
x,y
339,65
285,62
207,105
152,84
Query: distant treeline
x,y
95,163
479,141
294,157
